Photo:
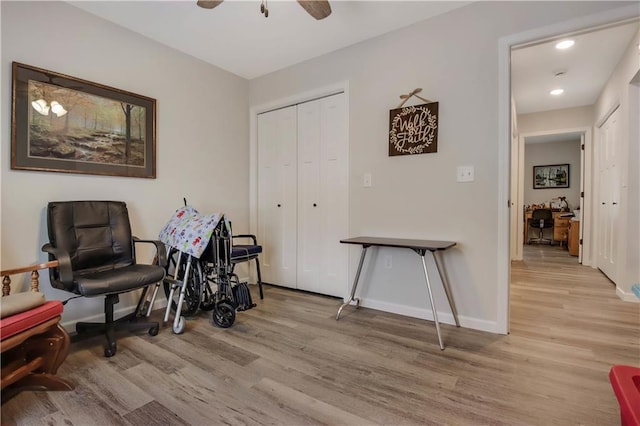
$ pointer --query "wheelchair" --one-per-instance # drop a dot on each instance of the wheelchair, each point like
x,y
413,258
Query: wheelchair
x,y
204,279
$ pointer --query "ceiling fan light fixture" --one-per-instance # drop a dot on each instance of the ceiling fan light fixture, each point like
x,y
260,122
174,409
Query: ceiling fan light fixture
x,y
557,92
40,106
565,44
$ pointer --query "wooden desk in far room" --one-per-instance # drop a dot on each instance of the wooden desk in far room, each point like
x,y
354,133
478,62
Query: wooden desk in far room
x,y
560,226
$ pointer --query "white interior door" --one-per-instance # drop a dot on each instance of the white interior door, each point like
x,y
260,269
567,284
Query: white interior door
x,y
309,212
334,196
609,196
323,195
277,206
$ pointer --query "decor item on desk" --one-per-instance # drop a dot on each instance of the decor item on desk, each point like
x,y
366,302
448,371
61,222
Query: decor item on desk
x,y
413,129
562,203
64,124
551,176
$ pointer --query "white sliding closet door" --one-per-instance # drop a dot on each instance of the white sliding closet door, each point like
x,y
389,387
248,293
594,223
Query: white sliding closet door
x,y
303,164
277,208
323,196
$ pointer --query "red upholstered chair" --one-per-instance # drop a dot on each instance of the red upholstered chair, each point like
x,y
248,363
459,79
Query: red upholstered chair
x,y
625,381
32,342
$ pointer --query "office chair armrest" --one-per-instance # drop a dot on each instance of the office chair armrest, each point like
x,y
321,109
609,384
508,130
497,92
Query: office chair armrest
x,y
253,237
65,273
161,251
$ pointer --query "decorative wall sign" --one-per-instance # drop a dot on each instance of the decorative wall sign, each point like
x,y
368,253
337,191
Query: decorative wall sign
x,y
64,124
413,129
553,176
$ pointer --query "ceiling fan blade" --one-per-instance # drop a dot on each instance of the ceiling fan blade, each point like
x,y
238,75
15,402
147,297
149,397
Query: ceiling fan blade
x,y
209,4
319,9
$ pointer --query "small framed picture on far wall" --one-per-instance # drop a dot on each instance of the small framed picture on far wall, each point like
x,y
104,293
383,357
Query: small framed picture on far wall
x,y
551,176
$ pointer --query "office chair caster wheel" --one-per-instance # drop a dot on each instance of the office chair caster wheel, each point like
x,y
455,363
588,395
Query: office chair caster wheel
x,y
153,331
110,350
224,315
179,329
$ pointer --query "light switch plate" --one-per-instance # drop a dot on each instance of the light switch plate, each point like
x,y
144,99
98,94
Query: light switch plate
x,y
465,174
367,180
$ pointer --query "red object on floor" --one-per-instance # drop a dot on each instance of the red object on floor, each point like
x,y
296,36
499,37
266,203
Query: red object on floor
x,y
625,381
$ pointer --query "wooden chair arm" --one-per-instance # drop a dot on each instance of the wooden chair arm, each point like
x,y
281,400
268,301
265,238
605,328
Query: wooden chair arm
x,y
35,275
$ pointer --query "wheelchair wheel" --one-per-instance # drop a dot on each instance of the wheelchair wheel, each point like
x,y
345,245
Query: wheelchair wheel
x,y
224,315
194,284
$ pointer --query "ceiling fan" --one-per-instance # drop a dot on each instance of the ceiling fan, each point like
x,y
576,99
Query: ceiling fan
x,y
319,9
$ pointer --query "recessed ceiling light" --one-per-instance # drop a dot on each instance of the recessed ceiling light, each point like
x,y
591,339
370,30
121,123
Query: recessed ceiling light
x,y
557,92
565,44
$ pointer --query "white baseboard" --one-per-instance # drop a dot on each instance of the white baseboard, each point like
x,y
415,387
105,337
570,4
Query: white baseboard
x,y
427,314
627,296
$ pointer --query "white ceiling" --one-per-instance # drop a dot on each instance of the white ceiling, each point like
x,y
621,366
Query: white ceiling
x,y
236,37
588,66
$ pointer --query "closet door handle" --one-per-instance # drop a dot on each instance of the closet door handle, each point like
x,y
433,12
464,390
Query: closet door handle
x,y
603,203
278,205
614,203
315,205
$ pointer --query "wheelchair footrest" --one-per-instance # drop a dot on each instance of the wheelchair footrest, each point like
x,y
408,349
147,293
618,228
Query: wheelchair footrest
x,y
242,297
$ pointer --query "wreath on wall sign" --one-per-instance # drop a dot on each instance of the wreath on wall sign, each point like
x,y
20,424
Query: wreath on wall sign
x,y
413,129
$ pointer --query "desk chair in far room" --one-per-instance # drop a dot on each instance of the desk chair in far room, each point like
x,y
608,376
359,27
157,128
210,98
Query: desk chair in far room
x,y
93,244
541,219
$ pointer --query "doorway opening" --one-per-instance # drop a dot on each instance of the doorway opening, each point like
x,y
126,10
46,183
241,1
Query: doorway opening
x,y
554,118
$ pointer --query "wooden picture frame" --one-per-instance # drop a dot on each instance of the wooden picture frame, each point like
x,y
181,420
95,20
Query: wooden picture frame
x,y
551,176
65,124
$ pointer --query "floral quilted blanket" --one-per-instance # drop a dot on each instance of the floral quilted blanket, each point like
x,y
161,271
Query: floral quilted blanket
x,y
189,231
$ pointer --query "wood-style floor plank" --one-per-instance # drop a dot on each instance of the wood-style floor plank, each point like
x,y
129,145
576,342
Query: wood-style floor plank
x,y
289,362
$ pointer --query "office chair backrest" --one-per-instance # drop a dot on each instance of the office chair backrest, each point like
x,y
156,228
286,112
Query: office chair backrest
x,y
542,216
96,234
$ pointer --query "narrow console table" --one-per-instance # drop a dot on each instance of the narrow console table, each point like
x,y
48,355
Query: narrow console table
x,y
421,247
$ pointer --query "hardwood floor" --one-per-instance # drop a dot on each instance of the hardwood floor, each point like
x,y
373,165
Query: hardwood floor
x,y
288,362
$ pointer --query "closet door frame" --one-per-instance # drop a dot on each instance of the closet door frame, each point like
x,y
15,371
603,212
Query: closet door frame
x,y
339,87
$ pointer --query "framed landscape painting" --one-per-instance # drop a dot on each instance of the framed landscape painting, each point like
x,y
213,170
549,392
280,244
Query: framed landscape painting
x,y
65,124
553,176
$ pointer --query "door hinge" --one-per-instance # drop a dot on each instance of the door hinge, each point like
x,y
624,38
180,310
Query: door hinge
x,y
582,194
580,241
582,147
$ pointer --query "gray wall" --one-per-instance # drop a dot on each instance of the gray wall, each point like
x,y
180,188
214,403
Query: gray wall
x,y
202,131
623,89
454,58
540,154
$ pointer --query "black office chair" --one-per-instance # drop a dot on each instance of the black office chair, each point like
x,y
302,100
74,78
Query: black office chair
x,y
93,244
541,219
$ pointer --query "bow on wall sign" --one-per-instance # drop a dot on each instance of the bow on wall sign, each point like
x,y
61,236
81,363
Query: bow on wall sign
x,y
413,129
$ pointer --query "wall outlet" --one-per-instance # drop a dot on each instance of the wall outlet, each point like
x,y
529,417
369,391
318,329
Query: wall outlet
x,y
388,262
